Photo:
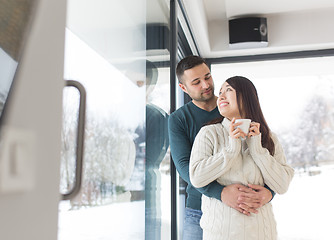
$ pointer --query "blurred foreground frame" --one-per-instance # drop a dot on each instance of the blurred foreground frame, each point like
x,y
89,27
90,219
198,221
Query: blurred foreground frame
x,y
15,20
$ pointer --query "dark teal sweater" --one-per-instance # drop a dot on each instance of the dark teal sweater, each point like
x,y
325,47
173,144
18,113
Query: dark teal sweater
x,y
183,126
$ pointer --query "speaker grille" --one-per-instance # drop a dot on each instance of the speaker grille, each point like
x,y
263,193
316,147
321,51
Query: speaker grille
x,y
250,29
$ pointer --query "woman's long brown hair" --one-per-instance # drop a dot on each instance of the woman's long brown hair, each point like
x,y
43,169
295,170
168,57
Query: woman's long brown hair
x,y
249,107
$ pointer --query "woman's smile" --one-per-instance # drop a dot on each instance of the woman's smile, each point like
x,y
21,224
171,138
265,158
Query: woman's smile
x,y
223,104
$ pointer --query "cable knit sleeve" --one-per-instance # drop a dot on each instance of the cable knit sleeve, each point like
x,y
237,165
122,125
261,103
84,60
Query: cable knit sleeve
x,y
276,172
211,157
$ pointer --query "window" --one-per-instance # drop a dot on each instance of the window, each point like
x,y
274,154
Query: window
x,y
297,99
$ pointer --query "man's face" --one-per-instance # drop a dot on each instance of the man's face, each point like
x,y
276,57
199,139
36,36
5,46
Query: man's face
x,y
198,84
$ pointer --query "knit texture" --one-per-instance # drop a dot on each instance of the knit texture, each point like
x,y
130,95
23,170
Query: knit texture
x,y
217,156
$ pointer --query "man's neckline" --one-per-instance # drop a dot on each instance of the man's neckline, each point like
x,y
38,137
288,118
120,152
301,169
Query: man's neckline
x,y
214,106
202,108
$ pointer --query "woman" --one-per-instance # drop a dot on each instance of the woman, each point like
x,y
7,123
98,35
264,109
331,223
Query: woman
x,y
223,152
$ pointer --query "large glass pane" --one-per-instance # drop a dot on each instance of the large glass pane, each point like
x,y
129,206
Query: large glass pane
x,y
157,178
158,189
297,98
119,51
112,170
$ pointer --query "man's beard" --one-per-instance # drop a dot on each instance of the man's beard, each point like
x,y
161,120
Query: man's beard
x,y
205,97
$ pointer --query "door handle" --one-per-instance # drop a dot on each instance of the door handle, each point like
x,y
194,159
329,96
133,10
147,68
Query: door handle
x,y
80,140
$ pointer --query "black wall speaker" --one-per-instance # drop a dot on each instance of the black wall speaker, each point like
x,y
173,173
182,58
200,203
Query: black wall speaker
x,y
248,32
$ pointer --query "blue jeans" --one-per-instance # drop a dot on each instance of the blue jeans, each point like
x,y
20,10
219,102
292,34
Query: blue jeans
x,y
191,228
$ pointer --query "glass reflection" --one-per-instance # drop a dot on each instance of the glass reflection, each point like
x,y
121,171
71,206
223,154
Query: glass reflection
x,y
156,147
155,138
125,70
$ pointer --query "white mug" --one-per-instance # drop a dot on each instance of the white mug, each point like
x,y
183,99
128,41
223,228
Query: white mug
x,y
245,125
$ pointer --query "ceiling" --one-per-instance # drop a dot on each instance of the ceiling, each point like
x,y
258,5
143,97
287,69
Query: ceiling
x,y
292,25
224,9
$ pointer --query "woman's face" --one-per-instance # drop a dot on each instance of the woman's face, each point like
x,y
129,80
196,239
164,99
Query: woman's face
x,y
227,102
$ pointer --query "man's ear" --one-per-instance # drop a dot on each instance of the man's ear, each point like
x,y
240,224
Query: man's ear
x,y
183,88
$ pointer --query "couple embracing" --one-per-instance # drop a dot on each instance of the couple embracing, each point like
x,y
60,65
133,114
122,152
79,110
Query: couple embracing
x,y
232,174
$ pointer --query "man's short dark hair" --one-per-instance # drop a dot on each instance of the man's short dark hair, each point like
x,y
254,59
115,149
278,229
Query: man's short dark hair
x,y
188,63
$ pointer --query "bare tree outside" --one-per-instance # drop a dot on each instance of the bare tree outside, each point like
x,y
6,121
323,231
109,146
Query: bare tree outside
x,y
109,157
312,144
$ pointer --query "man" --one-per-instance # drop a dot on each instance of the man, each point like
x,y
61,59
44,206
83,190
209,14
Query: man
x,y
195,79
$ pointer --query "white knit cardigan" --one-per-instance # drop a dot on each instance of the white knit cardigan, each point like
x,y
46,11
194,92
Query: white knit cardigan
x,y
217,156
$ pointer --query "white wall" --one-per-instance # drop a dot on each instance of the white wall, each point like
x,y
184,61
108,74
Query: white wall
x,y
36,106
290,31
301,28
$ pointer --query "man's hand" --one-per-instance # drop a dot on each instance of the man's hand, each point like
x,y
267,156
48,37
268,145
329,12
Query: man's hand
x,y
245,199
263,194
231,195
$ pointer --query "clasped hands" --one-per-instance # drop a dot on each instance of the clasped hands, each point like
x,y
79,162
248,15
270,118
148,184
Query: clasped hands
x,y
245,199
